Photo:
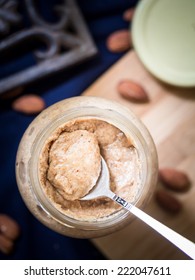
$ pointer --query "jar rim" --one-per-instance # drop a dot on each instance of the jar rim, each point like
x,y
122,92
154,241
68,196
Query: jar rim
x,y
108,111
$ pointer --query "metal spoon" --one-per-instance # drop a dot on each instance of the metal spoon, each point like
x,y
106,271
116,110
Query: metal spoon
x,y
102,188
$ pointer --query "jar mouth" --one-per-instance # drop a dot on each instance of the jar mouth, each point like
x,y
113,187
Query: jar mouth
x,y
110,115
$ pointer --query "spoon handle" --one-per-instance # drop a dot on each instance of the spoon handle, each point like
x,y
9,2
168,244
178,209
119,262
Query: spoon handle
x,y
187,246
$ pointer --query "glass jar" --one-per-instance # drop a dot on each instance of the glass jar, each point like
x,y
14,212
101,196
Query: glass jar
x,y
32,143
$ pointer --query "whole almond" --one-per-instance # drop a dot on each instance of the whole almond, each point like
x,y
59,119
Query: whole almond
x,y
132,91
128,14
119,41
168,202
174,179
9,227
29,104
6,244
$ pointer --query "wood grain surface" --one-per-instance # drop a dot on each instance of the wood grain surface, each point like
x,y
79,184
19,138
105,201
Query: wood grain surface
x,y
170,118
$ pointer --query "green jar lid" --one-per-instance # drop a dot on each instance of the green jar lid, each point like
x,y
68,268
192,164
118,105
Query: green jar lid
x,y
163,33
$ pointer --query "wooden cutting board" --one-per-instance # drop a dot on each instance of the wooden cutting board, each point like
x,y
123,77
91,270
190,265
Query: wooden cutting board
x,y
170,118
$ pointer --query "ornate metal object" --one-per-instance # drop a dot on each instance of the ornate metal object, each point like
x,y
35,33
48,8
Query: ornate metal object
x,y
63,44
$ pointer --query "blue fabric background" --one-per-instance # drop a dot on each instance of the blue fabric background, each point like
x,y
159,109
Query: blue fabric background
x,y
36,241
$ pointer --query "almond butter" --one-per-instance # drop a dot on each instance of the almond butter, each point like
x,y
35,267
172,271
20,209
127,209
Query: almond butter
x,y
168,202
132,91
29,104
174,179
6,244
128,14
119,41
9,227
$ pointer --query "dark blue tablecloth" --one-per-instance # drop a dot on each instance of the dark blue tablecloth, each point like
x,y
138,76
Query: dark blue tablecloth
x,y
36,241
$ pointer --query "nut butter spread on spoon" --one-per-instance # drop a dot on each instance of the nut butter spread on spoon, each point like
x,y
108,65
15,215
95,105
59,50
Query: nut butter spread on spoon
x,y
74,164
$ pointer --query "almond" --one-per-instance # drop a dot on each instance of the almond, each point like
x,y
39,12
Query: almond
x,y
168,202
29,104
6,244
174,179
132,91
128,14
9,227
119,41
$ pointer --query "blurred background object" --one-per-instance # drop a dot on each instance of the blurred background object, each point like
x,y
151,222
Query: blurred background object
x,y
46,47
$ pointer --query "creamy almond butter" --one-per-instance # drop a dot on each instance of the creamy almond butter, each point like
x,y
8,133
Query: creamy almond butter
x,y
70,164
